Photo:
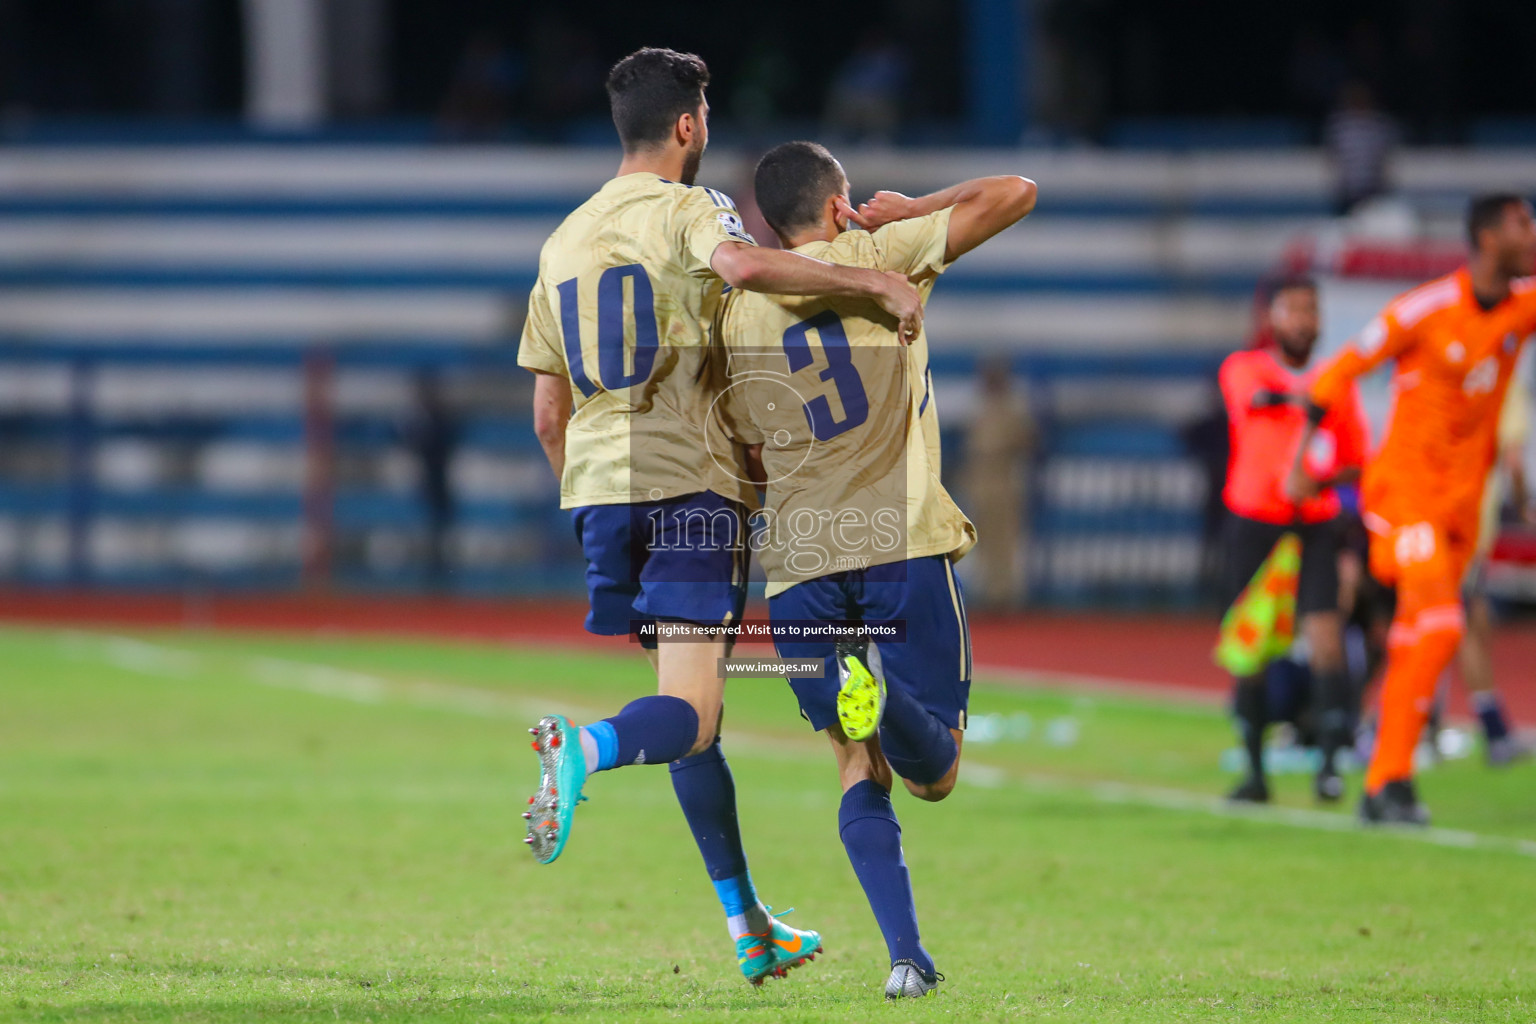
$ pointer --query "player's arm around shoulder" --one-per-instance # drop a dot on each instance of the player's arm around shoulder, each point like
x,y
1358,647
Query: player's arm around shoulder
x,y
779,272
715,242
978,209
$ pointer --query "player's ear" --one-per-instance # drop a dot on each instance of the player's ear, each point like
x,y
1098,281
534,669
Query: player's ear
x,y
689,126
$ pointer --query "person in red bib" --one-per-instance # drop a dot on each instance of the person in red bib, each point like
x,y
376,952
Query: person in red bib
x,y
1265,391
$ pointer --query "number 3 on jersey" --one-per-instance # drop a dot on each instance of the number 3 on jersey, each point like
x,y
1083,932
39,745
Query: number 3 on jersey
x,y
840,373
612,373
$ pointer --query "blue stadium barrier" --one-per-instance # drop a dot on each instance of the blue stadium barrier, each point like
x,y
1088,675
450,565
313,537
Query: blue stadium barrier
x,y
537,552
1186,133
518,280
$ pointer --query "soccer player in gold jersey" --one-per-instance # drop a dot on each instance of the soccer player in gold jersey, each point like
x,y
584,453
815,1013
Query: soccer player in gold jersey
x,y
858,535
618,332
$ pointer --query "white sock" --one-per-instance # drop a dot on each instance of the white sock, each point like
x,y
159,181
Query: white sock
x,y
588,749
755,920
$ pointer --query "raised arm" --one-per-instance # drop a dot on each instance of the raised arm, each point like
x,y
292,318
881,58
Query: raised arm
x,y
1383,339
788,273
982,208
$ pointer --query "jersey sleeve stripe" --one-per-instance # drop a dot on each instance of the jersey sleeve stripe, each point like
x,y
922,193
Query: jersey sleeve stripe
x,y
1423,301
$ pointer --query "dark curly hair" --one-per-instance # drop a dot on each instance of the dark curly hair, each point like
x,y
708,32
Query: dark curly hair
x,y
650,89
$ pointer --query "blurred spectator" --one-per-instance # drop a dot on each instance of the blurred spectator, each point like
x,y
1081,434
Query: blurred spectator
x,y
1476,655
1072,66
1207,442
432,437
479,99
357,40
1317,70
765,74
566,79
177,79
998,445
864,103
1360,139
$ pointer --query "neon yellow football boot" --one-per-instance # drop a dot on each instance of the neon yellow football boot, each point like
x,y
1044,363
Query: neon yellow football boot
x,y
861,695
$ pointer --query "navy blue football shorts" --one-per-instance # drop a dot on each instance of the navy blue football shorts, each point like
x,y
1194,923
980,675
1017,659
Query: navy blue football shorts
x,y
679,559
931,661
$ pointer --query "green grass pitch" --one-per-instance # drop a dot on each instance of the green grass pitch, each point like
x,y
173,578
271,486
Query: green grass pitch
x,y
205,827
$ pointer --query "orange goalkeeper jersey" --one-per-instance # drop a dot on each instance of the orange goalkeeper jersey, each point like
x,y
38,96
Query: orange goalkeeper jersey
x,y
1454,360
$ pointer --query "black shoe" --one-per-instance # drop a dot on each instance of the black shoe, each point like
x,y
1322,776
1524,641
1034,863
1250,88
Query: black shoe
x,y
1328,786
1396,804
1252,790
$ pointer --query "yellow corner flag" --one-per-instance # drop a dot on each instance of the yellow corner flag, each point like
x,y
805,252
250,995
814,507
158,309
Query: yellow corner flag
x,y
1261,623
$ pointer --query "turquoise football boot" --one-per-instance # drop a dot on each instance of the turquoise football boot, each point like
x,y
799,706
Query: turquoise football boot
x,y
776,953
562,773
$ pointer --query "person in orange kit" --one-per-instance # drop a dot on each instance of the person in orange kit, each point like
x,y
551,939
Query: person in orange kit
x,y
1455,341
1265,391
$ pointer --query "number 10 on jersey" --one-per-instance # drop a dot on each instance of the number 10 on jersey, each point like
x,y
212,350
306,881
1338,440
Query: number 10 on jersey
x,y
612,326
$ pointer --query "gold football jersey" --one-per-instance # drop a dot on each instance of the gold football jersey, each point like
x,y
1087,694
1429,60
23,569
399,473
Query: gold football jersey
x,y
845,414
624,308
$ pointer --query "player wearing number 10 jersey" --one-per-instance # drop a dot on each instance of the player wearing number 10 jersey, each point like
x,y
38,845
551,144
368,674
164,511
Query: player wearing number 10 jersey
x,y
1455,342
858,533
618,333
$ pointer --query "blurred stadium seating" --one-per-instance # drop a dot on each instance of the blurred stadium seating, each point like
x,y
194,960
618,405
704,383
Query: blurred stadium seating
x,y
210,354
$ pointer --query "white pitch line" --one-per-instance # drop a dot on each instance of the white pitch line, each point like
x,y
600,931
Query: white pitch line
x,y
1103,686
147,658
163,661
1183,801
132,655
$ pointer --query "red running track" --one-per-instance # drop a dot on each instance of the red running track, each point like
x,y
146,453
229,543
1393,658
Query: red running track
x,y
1151,651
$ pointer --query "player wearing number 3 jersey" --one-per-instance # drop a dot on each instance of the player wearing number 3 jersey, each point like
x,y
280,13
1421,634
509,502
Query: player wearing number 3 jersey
x,y
857,532
1455,342
618,333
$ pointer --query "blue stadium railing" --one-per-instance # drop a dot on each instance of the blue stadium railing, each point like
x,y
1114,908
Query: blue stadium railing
x,y
1070,535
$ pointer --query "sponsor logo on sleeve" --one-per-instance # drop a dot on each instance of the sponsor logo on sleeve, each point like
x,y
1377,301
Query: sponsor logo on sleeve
x,y
734,227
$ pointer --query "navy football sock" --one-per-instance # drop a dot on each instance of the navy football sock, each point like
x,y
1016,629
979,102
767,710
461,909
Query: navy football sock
x,y
651,730
707,793
872,837
1490,712
918,745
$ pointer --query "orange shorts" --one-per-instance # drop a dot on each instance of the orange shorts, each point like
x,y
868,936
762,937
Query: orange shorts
x,y
1426,561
